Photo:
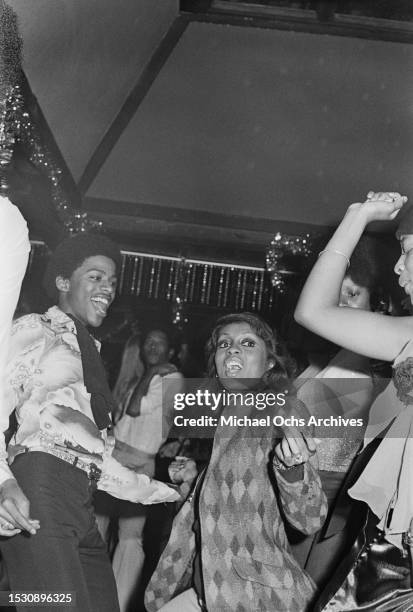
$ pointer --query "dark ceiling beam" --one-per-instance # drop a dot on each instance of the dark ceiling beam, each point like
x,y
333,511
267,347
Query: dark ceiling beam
x,y
198,217
131,104
180,232
246,14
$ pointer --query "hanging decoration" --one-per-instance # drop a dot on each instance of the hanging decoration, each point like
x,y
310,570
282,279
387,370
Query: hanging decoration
x,y
178,296
10,48
17,125
10,65
186,282
283,256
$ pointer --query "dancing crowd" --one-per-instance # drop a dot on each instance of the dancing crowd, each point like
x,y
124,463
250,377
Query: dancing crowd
x,y
288,518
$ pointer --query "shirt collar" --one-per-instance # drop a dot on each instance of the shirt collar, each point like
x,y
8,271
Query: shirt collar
x,y
61,323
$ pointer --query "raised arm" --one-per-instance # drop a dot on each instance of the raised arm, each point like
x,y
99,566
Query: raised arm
x,y
318,309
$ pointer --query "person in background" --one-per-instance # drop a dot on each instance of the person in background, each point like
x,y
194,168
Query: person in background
x,y
376,574
148,406
191,364
14,254
130,373
62,449
228,548
346,386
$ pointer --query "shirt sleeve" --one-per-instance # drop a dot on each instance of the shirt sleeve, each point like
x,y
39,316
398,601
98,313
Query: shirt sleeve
x,y
14,251
123,483
161,392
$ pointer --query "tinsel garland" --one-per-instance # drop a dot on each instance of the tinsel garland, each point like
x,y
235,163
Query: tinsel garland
x,y
10,66
282,255
73,220
17,125
10,49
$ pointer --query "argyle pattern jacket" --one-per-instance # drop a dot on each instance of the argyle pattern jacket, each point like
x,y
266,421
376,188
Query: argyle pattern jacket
x,y
246,561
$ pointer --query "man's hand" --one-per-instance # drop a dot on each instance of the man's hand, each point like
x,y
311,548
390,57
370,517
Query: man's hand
x,y
15,510
182,470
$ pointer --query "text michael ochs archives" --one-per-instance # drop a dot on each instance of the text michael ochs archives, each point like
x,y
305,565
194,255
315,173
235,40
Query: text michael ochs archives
x,y
202,405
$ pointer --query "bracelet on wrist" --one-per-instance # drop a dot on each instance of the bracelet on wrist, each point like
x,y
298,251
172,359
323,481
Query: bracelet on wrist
x,y
337,253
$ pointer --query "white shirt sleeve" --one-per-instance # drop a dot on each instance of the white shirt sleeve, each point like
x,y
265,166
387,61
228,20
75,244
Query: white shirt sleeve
x,y
14,252
161,393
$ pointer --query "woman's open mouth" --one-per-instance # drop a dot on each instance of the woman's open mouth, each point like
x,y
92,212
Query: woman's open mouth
x,y
232,367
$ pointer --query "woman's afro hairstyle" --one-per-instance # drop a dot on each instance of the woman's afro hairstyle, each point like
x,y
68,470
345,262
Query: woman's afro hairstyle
x,y
71,253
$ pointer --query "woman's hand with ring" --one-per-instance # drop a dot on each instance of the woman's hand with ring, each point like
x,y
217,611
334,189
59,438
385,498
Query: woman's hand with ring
x,y
295,448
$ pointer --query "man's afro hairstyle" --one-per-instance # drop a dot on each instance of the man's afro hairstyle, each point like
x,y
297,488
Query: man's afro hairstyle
x,y
71,253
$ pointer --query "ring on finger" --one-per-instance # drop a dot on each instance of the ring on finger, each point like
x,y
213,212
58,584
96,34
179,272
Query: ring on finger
x,y
298,458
